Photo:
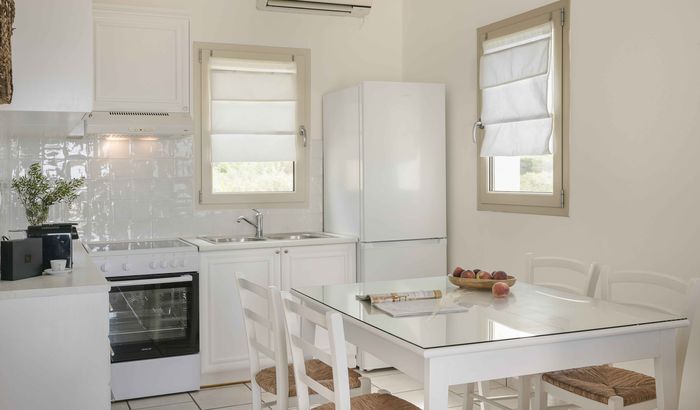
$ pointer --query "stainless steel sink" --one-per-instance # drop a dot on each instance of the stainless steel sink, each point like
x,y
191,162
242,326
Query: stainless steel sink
x,y
231,239
293,236
296,236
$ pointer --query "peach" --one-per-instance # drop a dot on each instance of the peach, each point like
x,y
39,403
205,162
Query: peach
x,y
468,274
457,272
484,275
500,275
500,290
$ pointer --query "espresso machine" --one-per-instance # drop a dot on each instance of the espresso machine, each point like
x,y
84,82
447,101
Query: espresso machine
x,y
57,241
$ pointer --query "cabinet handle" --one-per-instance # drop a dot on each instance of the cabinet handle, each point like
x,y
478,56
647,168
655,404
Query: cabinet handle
x,y
286,251
277,252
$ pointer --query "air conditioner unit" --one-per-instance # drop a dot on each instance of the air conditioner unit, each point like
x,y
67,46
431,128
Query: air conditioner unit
x,y
352,8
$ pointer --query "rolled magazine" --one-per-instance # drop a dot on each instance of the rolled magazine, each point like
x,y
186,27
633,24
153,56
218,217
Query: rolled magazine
x,y
401,296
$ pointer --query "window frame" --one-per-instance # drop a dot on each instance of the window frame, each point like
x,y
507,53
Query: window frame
x,y
203,172
556,203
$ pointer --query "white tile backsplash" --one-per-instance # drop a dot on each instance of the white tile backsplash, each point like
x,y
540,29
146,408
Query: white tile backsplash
x,y
138,189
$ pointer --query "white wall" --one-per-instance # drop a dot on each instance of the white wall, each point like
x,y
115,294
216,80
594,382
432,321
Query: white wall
x,y
635,98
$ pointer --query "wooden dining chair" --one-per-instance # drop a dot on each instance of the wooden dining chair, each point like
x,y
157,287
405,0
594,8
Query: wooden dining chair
x,y
588,273
266,336
337,392
610,387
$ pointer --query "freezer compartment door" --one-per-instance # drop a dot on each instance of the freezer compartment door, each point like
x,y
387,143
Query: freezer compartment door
x,y
402,259
404,183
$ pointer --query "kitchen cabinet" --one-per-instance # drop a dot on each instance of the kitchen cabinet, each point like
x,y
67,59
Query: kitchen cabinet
x,y
223,344
142,60
52,56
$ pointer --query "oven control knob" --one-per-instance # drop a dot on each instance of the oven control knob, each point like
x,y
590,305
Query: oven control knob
x,y
126,266
173,263
163,264
104,267
153,265
182,263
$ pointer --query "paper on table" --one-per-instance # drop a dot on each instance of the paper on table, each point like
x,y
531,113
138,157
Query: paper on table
x,y
419,307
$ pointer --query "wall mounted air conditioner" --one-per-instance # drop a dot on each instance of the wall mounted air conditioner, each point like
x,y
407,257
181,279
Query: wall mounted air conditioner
x,y
352,8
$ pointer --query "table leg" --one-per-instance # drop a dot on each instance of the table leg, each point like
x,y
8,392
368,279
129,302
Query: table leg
x,y
435,384
665,371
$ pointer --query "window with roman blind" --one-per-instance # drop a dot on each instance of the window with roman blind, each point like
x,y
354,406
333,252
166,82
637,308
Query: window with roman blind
x,y
253,111
522,129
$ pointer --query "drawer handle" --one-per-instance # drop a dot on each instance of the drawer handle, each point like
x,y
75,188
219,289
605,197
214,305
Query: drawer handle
x,y
286,251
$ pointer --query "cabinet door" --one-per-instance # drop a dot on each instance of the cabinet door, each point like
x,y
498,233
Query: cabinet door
x,y
141,61
223,346
317,265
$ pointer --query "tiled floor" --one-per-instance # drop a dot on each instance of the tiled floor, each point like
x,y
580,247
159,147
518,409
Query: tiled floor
x,y
238,397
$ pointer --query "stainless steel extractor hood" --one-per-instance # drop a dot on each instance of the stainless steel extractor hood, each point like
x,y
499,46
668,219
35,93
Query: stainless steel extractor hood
x,y
159,124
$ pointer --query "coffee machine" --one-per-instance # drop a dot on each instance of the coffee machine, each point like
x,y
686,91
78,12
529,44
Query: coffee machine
x,y
57,241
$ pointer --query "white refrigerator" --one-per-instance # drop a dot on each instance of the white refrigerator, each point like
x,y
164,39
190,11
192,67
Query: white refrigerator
x,y
385,178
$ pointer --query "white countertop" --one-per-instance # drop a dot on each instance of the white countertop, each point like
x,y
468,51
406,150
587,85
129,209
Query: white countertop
x,y
205,246
85,278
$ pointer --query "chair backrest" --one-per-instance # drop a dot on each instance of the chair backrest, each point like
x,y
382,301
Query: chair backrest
x,y
265,331
590,273
301,347
667,291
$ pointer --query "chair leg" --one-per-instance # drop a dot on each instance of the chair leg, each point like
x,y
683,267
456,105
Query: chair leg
x,y
540,402
484,388
365,385
616,403
524,388
468,397
257,396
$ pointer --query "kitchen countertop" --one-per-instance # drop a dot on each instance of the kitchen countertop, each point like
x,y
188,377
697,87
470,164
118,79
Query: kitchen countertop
x,y
205,246
85,278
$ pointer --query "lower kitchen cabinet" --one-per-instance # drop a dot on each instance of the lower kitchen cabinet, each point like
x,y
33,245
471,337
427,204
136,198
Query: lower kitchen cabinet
x,y
223,345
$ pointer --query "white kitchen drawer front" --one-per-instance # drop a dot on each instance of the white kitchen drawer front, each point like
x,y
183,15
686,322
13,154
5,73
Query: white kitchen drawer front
x,y
142,61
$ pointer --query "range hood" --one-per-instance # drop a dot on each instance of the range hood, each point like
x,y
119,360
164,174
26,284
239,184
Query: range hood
x,y
144,124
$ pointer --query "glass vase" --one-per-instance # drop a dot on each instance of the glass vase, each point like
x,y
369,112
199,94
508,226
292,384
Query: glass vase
x,y
37,214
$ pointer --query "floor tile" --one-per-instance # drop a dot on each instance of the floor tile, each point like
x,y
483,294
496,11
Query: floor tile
x,y
379,372
120,405
177,406
417,398
241,407
396,383
223,396
159,401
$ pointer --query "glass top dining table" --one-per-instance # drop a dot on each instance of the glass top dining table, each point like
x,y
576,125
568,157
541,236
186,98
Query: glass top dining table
x,y
529,311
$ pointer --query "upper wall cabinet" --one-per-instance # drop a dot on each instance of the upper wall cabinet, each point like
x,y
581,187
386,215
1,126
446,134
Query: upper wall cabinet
x,y
142,60
52,56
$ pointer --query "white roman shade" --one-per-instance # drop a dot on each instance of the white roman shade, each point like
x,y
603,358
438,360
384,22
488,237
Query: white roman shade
x,y
515,104
253,110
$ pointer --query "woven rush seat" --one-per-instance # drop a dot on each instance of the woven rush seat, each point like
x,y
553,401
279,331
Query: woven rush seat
x,y
315,368
374,401
599,383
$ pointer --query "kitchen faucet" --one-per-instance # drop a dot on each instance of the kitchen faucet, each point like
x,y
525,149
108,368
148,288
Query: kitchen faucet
x,y
258,225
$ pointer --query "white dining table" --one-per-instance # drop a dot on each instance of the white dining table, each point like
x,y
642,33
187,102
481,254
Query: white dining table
x,y
533,330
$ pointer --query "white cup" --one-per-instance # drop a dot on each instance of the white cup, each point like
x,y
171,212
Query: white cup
x,y
58,265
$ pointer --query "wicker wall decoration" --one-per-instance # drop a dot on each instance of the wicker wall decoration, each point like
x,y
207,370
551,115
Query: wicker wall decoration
x,y
7,18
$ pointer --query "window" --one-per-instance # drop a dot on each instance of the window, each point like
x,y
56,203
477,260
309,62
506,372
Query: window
x,y
253,107
523,113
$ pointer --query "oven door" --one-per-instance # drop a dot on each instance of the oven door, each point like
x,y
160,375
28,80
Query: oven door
x,y
153,316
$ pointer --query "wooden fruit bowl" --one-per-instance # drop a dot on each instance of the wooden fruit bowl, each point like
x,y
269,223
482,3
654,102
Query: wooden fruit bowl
x,y
480,283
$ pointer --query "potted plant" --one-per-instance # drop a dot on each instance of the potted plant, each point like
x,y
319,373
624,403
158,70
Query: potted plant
x,y
37,193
